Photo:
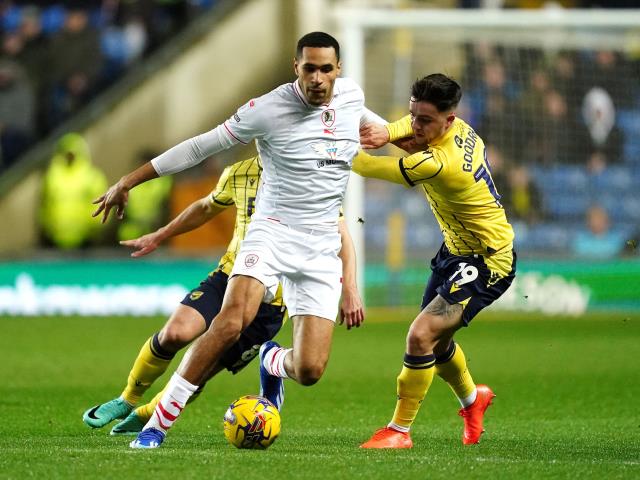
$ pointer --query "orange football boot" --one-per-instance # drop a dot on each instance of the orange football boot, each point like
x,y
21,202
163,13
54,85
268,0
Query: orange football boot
x,y
387,437
474,414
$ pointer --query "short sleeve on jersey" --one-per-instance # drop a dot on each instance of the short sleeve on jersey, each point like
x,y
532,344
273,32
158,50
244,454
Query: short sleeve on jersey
x,y
248,122
222,195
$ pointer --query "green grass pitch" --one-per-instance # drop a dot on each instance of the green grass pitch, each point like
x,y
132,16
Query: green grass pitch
x,y
566,407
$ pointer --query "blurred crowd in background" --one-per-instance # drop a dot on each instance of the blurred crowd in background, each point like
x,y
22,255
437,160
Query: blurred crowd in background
x,y
562,134
57,56
562,130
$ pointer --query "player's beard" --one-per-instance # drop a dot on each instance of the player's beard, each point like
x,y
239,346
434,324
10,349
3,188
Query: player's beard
x,y
317,98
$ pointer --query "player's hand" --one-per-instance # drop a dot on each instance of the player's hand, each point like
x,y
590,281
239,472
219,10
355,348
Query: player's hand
x,y
373,135
408,144
351,308
117,196
143,245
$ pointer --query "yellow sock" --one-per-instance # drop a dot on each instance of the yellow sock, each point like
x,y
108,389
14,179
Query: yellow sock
x,y
146,411
452,368
151,362
413,382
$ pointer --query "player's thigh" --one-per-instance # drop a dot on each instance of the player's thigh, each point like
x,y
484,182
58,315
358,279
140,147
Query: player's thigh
x,y
264,327
312,337
241,301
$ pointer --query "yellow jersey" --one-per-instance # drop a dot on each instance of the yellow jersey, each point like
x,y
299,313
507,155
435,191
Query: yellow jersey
x,y
238,185
454,174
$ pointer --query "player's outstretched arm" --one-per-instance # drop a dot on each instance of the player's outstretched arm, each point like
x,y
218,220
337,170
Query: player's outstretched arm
x,y
351,308
118,194
192,217
181,157
373,135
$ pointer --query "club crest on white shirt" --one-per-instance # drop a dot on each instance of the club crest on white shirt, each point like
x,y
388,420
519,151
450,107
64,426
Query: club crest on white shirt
x,y
328,117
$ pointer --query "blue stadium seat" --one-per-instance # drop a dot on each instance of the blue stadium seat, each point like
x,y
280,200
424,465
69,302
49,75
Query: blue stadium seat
x,y
567,204
11,19
543,237
52,19
560,178
629,123
615,178
622,207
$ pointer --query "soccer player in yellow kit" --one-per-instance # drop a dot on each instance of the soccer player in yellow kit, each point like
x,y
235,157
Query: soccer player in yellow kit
x,y
474,266
238,185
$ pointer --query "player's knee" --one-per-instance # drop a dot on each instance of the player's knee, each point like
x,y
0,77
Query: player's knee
x,y
174,337
421,338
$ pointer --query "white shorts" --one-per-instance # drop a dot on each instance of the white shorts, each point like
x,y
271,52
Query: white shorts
x,y
305,261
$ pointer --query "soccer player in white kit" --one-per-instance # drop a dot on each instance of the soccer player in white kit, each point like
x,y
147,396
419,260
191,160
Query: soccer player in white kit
x,y
307,133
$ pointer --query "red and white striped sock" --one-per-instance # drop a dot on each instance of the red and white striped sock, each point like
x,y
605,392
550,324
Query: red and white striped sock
x,y
274,361
173,400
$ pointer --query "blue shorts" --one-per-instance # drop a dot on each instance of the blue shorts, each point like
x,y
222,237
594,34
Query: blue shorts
x,y
465,280
207,300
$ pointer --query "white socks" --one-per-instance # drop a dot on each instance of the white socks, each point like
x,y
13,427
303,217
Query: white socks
x,y
175,397
273,362
468,400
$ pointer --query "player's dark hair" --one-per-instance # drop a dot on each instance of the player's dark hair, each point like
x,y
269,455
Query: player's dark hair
x,y
317,40
437,89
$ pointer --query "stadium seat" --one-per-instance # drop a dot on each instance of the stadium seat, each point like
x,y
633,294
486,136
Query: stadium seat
x,y
629,123
52,19
543,237
11,19
567,204
615,178
560,178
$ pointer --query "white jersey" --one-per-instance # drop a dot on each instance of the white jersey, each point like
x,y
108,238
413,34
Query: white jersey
x,y
306,150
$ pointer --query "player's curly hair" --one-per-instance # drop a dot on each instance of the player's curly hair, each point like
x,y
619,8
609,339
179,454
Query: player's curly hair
x,y
317,40
437,89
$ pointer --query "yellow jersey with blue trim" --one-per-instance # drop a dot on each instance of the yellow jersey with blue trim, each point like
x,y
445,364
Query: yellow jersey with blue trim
x,y
455,176
238,185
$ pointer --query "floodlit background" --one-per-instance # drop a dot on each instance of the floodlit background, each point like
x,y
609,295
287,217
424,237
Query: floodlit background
x,y
552,87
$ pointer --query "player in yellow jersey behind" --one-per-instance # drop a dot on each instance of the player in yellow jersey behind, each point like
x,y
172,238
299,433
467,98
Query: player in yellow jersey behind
x,y
237,186
474,266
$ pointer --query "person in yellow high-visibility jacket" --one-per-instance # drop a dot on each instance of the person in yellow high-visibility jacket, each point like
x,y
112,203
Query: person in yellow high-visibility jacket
x,y
70,183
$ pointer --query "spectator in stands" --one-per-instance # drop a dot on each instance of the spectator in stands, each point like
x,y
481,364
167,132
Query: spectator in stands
x,y
70,184
598,240
555,140
75,62
17,112
147,208
599,117
522,199
493,105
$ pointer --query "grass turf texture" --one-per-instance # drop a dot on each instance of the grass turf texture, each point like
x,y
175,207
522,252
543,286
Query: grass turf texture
x,y
566,405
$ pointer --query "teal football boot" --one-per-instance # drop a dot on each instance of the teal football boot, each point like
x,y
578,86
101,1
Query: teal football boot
x,y
104,413
132,425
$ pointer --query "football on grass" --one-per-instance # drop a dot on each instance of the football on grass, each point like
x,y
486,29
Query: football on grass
x,y
252,422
